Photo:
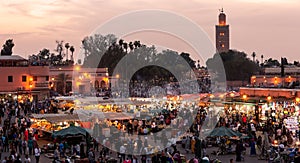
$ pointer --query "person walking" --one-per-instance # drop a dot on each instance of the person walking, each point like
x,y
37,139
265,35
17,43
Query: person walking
x,y
37,154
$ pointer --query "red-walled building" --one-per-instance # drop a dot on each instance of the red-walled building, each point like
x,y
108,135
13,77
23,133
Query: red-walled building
x,y
21,79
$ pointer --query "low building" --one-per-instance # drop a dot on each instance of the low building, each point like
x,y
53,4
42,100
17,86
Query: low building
x,y
23,80
288,70
271,92
77,79
273,80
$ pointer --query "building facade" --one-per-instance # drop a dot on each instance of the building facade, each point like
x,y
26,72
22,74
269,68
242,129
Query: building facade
x,y
21,79
222,34
76,79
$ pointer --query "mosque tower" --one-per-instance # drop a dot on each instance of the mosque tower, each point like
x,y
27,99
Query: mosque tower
x,y
222,33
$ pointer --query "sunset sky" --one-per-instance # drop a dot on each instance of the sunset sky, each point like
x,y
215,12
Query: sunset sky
x,y
268,27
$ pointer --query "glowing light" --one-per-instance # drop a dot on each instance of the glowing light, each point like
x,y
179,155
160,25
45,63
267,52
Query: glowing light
x,y
244,97
297,99
77,68
269,98
105,79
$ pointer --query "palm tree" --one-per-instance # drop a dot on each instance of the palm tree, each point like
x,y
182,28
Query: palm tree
x,y
137,44
67,45
125,46
72,49
130,46
121,41
253,55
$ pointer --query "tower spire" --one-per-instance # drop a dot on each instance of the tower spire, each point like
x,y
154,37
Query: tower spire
x,y
222,33
221,10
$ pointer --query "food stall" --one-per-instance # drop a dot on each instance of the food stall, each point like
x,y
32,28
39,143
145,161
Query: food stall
x,y
47,123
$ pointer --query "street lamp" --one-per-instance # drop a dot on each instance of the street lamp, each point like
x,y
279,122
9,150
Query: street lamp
x,y
30,87
245,97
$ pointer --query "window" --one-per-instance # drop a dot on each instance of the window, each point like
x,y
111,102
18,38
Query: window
x,y
47,78
24,78
10,78
35,78
222,34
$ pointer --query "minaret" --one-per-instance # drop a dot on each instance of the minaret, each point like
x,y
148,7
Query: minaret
x,y
222,33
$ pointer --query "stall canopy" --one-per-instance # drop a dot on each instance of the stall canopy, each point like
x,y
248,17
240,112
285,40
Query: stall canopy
x,y
70,131
88,114
223,131
83,116
118,116
54,118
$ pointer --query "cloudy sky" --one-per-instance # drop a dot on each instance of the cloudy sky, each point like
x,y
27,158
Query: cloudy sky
x,y
268,27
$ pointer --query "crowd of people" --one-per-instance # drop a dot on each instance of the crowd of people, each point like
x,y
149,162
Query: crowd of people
x,y
144,89
16,136
272,140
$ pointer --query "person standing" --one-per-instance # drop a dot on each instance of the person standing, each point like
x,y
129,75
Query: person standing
x,y
91,156
27,159
37,154
239,149
252,148
24,145
30,146
56,154
122,153
193,142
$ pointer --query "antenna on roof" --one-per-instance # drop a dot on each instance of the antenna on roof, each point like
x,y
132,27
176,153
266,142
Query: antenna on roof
x,y
221,10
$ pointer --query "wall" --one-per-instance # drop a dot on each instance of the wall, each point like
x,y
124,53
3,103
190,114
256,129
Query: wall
x,y
273,92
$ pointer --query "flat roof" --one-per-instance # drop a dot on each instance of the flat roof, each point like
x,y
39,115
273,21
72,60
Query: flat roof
x,y
12,57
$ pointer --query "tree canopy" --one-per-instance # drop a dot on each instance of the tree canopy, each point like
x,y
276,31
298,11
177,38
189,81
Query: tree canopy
x,y
236,64
7,47
107,52
46,57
